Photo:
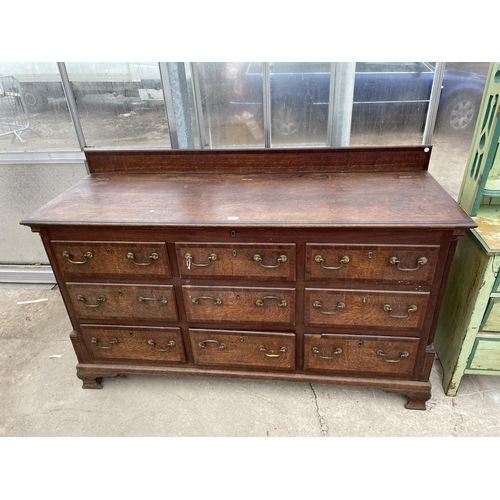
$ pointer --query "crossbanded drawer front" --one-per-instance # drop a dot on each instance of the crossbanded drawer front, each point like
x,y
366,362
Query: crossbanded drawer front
x,y
353,308
386,263
111,258
239,305
134,343
117,302
243,349
358,353
259,261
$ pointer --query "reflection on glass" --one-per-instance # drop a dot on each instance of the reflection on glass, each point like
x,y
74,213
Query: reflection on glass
x,y
33,111
299,102
120,104
390,102
462,92
232,103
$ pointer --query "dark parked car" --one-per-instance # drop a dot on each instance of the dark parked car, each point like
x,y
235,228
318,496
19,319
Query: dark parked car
x,y
383,92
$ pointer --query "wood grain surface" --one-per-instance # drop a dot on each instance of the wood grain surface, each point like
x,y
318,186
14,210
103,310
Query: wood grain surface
x,y
236,260
356,353
371,262
238,304
365,200
242,348
110,258
383,159
123,302
364,308
131,343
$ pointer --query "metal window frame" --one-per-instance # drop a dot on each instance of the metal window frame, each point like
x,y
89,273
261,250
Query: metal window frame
x,y
430,119
169,105
266,102
38,157
198,110
70,99
340,103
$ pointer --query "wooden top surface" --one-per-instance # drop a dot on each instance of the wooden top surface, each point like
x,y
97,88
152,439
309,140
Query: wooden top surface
x,y
488,228
329,200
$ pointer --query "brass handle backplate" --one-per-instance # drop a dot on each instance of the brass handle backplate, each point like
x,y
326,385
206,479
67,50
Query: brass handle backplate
x,y
152,257
96,341
317,351
86,256
100,300
420,262
221,345
404,354
216,300
344,260
281,302
258,258
163,300
189,260
317,304
411,309
153,345
264,350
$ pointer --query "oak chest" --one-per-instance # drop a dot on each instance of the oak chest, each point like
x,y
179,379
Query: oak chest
x,y
323,265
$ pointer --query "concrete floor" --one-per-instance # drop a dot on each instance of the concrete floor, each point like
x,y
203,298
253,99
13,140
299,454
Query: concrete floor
x,y
40,394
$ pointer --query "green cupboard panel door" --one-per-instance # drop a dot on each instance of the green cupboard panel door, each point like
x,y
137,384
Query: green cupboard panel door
x,y
483,148
496,286
485,355
491,320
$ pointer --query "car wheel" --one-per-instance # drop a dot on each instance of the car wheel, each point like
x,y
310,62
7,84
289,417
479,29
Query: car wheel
x,y
35,101
460,114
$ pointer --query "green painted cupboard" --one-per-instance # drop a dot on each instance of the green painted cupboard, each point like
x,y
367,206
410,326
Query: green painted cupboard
x,y
467,339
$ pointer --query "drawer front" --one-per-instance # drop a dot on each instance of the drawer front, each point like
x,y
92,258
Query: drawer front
x,y
353,353
104,301
254,261
134,343
491,320
111,258
485,354
239,305
243,349
388,310
382,263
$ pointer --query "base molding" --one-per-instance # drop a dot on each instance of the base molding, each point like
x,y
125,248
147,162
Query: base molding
x,y
417,392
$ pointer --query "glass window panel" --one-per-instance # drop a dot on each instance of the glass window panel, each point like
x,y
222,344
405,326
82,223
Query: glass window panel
x,y
461,96
120,104
390,103
39,120
299,102
231,95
